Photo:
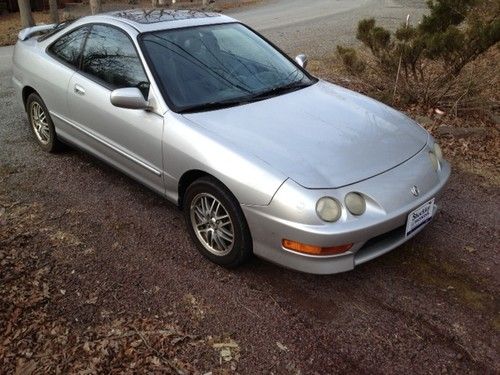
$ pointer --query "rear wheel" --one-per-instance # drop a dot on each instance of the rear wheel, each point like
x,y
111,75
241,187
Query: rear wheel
x,y
216,223
41,123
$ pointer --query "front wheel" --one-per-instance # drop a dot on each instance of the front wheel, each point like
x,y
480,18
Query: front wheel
x,y
216,223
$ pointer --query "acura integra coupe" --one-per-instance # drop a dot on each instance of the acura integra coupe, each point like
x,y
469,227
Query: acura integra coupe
x,y
262,157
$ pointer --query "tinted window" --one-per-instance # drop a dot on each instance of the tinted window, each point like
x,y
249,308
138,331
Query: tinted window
x,y
210,66
110,56
68,47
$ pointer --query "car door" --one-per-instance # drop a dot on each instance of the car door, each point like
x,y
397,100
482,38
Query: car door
x,y
127,138
57,72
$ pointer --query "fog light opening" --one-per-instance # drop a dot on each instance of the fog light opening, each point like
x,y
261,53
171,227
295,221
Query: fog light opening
x,y
315,250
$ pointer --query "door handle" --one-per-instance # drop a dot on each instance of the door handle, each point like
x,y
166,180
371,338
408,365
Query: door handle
x,y
79,90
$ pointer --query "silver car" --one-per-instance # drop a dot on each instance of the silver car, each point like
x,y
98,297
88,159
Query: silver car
x,y
262,157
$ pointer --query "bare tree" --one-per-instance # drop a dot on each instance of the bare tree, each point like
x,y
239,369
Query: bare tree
x,y
95,6
25,12
54,13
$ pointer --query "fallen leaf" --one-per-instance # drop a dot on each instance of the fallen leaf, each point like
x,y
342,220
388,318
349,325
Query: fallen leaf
x,y
136,343
470,249
86,346
91,301
226,354
25,368
281,346
230,344
45,292
155,361
3,219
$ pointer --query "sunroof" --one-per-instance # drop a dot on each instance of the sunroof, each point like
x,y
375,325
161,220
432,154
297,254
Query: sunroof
x,y
161,15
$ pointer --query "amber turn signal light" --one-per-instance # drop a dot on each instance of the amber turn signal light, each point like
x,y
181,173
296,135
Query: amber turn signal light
x,y
315,250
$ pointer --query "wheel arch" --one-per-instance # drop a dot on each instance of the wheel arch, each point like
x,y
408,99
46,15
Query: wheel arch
x,y
27,91
187,179
191,176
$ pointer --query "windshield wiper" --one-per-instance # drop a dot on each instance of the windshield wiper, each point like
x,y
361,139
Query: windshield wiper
x,y
281,90
217,105
247,99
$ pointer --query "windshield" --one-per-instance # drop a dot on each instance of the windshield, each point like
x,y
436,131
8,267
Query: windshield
x,y
214,66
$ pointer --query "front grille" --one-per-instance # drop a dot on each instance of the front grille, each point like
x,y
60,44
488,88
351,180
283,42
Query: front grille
x,y
379,245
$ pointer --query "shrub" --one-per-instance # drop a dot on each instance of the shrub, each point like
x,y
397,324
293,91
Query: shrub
x,y
350,59
432,62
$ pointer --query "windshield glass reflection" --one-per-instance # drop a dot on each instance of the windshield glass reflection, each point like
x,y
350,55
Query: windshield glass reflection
x,y
214,66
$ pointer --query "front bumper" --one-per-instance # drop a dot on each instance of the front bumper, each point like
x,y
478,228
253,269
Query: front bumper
x,y
379,230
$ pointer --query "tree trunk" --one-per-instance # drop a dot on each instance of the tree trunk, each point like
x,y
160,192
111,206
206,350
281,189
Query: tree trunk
x,y
95,6
25,12
54,13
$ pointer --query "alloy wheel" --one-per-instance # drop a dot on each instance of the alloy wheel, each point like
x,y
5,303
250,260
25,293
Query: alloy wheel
x,y
39,122
212,224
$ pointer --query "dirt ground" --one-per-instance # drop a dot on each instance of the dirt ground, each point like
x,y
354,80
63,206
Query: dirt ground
x,y
98,275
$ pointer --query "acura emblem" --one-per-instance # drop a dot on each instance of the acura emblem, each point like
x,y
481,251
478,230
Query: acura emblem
x,y
414,190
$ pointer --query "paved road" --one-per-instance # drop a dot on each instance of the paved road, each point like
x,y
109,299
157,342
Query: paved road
x,y
5,56
317,26
282,13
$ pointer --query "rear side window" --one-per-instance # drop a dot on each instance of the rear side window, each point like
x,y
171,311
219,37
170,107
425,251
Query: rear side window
x,y
110,56
68,47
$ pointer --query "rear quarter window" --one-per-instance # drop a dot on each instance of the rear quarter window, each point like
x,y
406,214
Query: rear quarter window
x,y
69,47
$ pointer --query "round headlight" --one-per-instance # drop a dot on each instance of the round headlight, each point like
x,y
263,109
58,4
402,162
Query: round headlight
x,y
434,160
328,209
438,152
355,203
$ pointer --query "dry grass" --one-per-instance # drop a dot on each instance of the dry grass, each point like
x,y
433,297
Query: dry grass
x,y
10,24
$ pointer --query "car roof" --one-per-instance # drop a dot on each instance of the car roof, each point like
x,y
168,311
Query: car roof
x,y
144,20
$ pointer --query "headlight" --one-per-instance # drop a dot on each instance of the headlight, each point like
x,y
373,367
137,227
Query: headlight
x,y
328,209
438,152
355,203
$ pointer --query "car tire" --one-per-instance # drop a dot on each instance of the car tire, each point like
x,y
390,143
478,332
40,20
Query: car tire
x,y
216,223
41,124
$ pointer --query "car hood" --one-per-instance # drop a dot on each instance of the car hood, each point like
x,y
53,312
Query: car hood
x,y
323,136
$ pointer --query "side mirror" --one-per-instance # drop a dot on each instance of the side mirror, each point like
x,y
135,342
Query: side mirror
x,y
130,98
302,60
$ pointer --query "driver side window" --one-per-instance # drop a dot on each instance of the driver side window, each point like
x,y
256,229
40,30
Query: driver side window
x,y
110,57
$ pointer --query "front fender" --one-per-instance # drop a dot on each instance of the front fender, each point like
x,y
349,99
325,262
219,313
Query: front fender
x,y
188,146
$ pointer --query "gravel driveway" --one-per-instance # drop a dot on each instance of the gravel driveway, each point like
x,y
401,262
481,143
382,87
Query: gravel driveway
x,y
315,27
115,250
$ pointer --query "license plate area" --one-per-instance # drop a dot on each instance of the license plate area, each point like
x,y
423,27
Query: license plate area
x,y
419,217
